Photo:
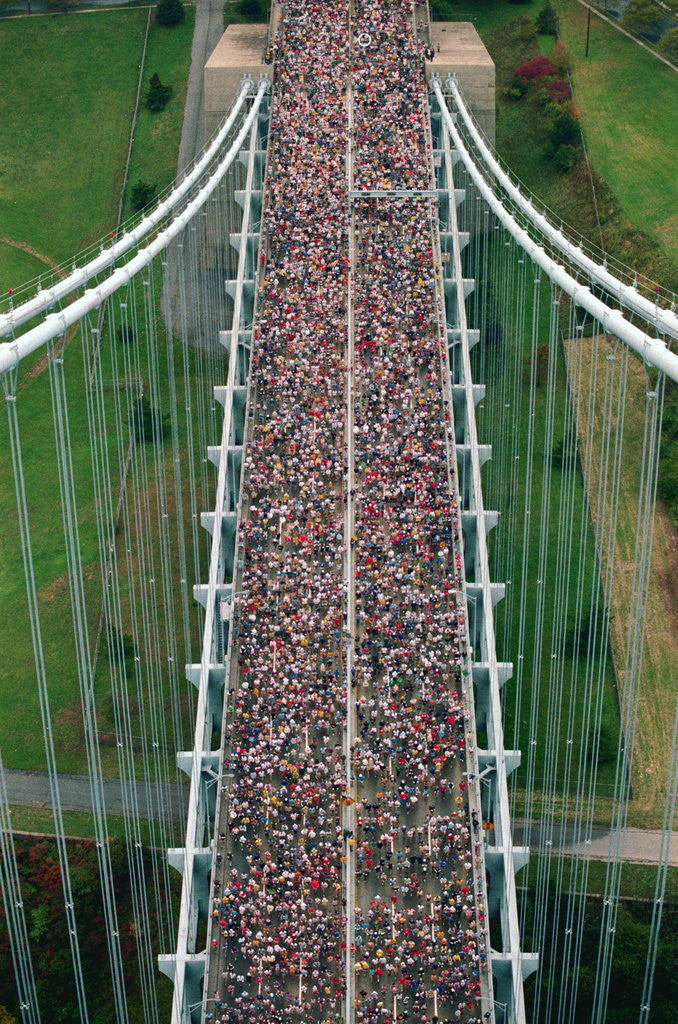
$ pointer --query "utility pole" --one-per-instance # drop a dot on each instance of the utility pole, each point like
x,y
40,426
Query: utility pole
x,y
588,31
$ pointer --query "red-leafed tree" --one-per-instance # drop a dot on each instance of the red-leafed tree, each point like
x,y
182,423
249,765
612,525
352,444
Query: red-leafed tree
x,y
536,67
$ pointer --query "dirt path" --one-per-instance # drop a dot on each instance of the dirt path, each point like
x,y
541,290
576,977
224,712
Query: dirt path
x,y
30,251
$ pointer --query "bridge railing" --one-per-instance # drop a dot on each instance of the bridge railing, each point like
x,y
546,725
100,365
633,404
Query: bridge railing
x,y
638,295
95,260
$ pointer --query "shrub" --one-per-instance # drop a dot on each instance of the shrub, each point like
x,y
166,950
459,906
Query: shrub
x,y
561,57
170,13
547,21
558,91
251,9
668,45
524,30
125,334
564,130
565,157
640,16
143,193
146,423
536,67
517,88
157,95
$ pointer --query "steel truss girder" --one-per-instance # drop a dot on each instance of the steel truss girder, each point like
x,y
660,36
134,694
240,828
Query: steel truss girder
x,y
510,966
186,967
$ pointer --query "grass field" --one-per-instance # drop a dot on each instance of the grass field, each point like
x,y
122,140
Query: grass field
x,y
657,699
486,15
545,700
628,104
74,124
77,824
156,138
521,139
68,123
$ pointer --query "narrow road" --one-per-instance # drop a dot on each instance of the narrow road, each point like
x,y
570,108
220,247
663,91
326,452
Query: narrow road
x,y
641,846
31,789
209,26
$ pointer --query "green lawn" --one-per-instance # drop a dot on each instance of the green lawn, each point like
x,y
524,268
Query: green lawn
x,y
486,15
545,700
18,268
157,135
77,824
629,109
70,163
68,88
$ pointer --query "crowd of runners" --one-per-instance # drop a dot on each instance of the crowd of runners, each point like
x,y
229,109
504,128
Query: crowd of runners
x,y
279,930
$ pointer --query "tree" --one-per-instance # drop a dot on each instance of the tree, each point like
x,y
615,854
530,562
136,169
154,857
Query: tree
x,y
561,57
125,334
143,193
157,94
641,16
668,45
536,67
170,13
251,9
547,21
564,130
146,422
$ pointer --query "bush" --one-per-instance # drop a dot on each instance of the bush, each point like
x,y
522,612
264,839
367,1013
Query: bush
x,y
517,89
641,17
565,157
558,91
564,450
535,68
143,193
120,646
170,13
251,9
564,130
146,423
668,45
125,334
523,30
157,95
561,57
547,21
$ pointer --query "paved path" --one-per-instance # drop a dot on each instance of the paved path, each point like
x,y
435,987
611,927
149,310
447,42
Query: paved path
x,y
641,846
31,789
209,27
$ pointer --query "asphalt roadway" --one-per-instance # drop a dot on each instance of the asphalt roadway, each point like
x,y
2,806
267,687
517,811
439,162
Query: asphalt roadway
x,y
31,789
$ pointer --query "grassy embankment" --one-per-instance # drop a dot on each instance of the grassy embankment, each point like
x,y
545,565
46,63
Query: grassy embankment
x,y
604,107
79,131
618,84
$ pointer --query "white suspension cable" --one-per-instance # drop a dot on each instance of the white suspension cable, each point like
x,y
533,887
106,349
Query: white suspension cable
x,y
665,320
652,350
47,297
56,324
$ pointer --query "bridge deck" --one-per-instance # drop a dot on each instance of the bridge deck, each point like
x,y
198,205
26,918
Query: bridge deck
x,y
350,860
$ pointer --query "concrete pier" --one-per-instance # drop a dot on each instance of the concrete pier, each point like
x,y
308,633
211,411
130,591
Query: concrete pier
x,y
240,51
459,49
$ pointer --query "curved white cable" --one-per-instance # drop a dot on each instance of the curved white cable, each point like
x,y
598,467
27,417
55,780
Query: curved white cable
x,y
652,350
664,320
46,297
56,323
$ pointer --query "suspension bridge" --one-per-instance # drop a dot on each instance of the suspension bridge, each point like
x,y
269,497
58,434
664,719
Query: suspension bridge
x,y
339,423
